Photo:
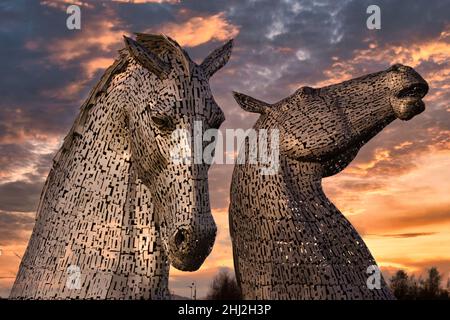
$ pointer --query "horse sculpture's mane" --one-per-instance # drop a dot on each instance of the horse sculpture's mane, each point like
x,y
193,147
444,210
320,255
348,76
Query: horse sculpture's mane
x,y
160,44
117,67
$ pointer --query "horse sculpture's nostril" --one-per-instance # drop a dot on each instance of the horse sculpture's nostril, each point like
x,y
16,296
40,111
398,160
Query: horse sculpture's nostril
x,y
180,237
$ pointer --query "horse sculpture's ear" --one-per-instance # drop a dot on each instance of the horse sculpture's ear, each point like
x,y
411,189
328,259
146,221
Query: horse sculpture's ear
x,y
147,59
217,59
250,104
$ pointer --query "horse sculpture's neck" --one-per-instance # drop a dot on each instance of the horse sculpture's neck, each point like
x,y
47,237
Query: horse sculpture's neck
x,y
294,243
95,235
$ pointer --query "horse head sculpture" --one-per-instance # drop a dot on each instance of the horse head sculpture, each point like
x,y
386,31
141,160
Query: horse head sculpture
x,y
329,125
174,94
116,208
305,247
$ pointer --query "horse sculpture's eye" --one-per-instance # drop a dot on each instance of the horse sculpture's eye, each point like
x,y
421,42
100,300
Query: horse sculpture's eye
x,y
163,123
397,68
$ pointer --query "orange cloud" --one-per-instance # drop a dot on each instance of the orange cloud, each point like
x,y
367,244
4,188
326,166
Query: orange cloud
x,y
90,67
404,216
94,46
199,30
356,191
101,36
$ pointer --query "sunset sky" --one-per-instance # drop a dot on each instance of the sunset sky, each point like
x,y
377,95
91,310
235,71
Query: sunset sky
x,y
396,191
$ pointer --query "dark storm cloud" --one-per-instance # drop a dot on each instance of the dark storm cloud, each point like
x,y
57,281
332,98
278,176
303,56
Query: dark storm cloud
x,y
143,16
10,153
22,120
20,195
26,73
323,30
14,156
32,76
15,227
402,20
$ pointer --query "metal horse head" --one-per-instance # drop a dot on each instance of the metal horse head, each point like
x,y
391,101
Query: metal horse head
x,y
173,94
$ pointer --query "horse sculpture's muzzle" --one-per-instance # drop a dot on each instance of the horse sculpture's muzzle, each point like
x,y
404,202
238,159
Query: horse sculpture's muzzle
x,y
408,103
190,245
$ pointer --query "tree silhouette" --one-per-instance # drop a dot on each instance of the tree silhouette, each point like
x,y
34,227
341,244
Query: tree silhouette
x,y
224,287
407,287
413,288
400,285
431,286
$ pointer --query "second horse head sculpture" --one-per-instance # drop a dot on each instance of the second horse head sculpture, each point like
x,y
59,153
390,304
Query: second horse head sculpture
x,y
289,240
